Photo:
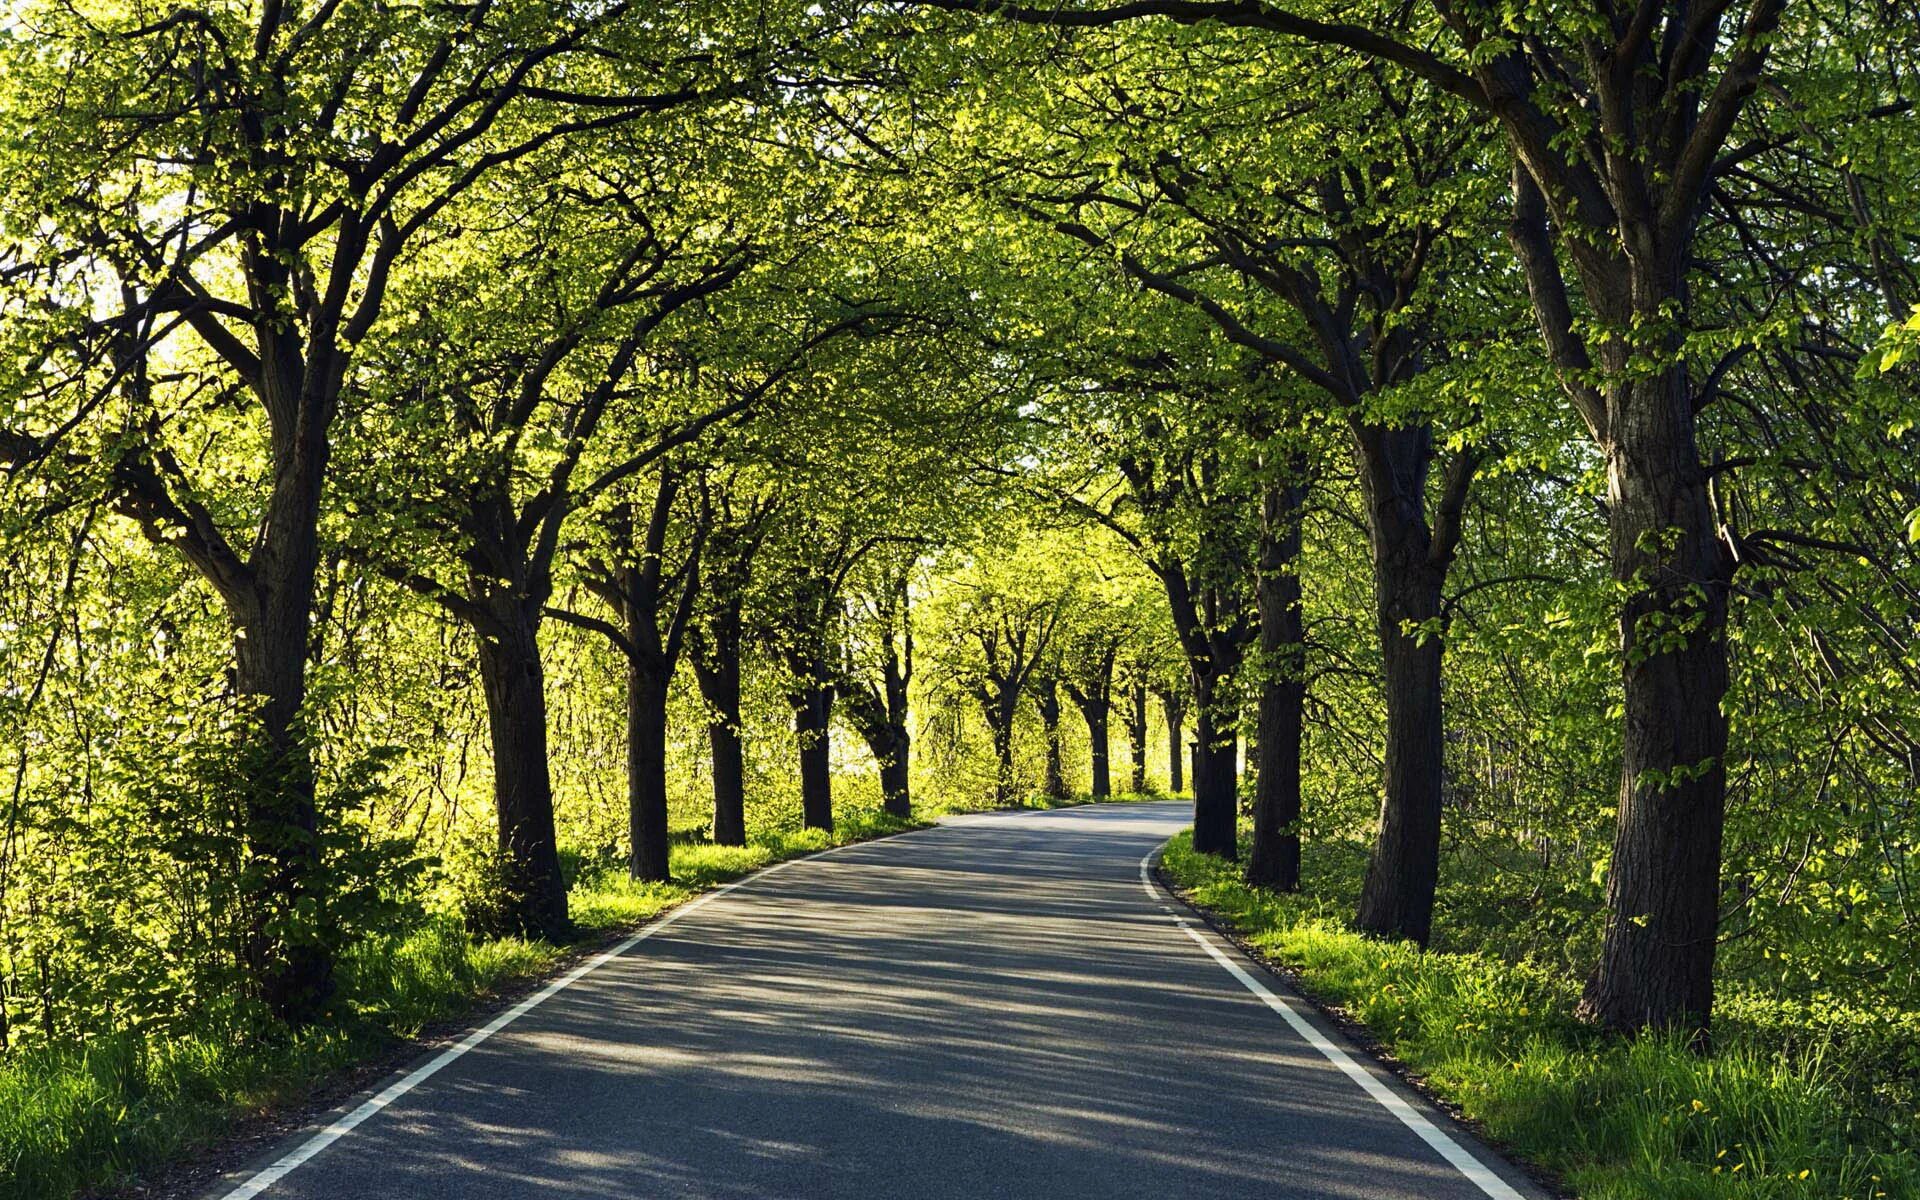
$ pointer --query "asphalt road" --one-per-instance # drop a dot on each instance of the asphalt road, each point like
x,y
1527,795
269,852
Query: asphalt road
x,y
994,1008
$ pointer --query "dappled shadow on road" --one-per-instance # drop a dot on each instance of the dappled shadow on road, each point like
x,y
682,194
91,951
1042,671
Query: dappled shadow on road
x,y
993,1009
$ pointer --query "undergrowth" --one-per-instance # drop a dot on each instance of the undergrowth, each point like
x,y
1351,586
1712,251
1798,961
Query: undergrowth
x,y
95,1115
1787,1107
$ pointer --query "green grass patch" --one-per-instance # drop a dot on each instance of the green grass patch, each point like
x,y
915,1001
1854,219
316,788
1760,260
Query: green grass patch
x,y
1761,1119
97,1115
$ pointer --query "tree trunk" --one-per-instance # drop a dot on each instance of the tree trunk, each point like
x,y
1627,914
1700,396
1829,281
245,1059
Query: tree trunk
x,y
1397,899
1275,858
1663,888
1135,721
896,796
1176,713
647,771
1047,700
812,721
716,667
729,781
1096,713
1000,715
882,725
1216,783
896,770
535,900
290,961
891,746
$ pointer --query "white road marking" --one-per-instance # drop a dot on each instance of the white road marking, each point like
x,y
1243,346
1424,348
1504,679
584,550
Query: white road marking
x,y
1456,1155
271,1175
1447,1147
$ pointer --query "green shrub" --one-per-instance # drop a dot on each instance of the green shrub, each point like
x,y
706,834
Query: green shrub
x,y
100,1111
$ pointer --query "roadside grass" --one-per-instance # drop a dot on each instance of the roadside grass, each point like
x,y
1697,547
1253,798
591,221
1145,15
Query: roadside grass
x,y
1766,1117
97,1115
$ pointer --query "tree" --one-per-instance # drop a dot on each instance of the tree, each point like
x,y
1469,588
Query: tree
x,y
305,181
741,518
1046,703
1275,857
655,607
1000,616
509,434
1087,675
1350,249
1133,719
877,677
1173,706
1617,127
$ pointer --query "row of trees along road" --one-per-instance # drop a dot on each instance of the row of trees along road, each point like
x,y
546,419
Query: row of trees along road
x,y
1500,425
1655,172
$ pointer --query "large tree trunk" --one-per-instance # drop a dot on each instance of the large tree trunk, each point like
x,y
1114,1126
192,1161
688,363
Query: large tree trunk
x,y
1397,899
1663,888
1275,858
647,771
812,723
896,797
1216,781
891,746
882,723
535,900
729,781
290,960
1096,712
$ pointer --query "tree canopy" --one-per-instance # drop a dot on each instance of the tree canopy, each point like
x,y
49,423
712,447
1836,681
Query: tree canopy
x,y
453,456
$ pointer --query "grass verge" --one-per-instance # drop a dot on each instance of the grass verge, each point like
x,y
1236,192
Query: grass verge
x,y
1616,1120
98,1115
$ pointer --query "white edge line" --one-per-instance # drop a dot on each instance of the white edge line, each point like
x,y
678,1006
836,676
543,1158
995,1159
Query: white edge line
x,y
1456,1155
279,1170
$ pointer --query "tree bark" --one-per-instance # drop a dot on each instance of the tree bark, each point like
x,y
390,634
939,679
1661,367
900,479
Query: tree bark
x,y
1046,697
729,782
1213,628
1397,898
1134,719
639,587
716,667
883,726
511,674
896,769
1663,884
290,962
1096,713
1216,783
1663,888
896,787
647,771
812,725
1274,861
1175,708
269,598
1095,702
1000,712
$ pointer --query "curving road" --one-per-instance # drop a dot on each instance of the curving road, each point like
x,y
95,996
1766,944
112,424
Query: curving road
x,y
994,1008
